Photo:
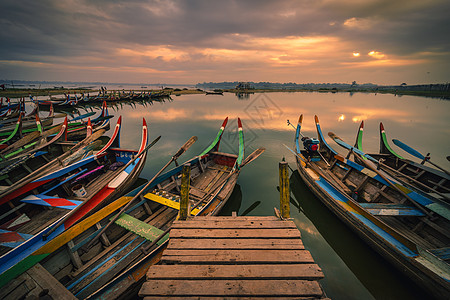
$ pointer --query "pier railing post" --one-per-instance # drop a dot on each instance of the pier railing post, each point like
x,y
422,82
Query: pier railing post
x,y
184,199
284,190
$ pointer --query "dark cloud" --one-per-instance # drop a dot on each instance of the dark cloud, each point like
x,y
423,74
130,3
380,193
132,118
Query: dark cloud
x,y
52,31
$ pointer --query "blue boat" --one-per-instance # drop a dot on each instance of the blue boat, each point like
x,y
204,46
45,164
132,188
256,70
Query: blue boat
x,y
410,230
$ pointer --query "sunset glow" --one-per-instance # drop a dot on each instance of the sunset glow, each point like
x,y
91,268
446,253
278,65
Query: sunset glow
x,y
176,42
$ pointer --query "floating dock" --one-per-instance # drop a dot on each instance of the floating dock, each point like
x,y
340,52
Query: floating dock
x,y
234,257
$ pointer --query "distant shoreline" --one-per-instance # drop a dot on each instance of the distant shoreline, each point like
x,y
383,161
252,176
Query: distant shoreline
x,y
17,92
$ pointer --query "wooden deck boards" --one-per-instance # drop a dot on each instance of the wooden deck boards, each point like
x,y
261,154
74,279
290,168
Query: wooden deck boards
x,y
234,257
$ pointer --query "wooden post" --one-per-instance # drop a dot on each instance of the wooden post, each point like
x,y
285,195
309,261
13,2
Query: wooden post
x,y
184,200
284,190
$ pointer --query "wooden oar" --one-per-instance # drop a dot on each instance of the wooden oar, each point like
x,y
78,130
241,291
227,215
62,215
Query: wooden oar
x,y
73,211
370,165
374,168
183,149
417,154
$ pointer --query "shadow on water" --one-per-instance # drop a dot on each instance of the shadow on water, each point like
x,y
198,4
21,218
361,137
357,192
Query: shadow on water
x,y
380,278
233,203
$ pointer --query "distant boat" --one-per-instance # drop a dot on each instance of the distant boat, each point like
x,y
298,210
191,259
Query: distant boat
x,y
215,92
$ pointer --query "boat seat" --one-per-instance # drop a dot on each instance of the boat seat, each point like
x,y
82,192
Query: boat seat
x,y
384,209
140,228
167,199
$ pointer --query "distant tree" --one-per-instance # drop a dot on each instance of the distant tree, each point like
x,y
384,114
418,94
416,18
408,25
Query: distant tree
x,y
354,83
403,84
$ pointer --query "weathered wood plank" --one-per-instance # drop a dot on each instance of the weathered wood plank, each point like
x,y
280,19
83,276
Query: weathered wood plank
x,y
237,233
270,244
233,224
268,288
236,256
47,282
207,272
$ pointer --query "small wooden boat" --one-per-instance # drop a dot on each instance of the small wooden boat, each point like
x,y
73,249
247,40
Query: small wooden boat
x,y
72,198
218,92
76,130
67,158
28,143
115,265
435,183
409,230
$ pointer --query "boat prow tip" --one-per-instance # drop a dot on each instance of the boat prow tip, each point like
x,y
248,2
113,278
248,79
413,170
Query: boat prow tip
x,y
225,122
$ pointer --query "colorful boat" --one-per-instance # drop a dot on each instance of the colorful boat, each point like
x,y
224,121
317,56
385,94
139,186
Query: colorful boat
x,y
69,159
71,199
435,183
115,265
409,230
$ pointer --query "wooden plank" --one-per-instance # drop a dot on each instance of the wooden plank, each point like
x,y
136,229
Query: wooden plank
x,y
178,243
167,202
205,272
268,288
385,209
233,224
237,233
47,282
236,256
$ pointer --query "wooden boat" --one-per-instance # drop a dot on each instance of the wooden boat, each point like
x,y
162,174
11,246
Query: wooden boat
x,y
66,159
32,151
6,130
76,130
434,182
115,265
214,93
71,199
27,143
409,230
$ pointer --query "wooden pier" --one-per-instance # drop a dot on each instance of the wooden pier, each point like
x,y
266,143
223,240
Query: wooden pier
x,y
234,257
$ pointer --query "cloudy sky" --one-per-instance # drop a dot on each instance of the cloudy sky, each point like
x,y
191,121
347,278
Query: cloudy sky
x,y
143,41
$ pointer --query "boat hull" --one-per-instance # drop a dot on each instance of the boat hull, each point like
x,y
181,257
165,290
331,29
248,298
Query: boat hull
x,y
408,264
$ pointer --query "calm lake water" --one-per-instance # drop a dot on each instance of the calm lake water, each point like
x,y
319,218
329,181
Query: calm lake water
x,y
352,270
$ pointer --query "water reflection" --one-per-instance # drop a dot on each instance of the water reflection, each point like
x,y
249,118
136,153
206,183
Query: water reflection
x,y
243,95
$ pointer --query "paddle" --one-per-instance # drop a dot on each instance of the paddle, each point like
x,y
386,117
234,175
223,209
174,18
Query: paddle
x,y
82,116
373,168
340,142
45,235
183,149
417,154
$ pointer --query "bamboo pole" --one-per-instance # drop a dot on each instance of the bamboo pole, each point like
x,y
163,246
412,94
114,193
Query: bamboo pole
x,y
184,200
284,190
